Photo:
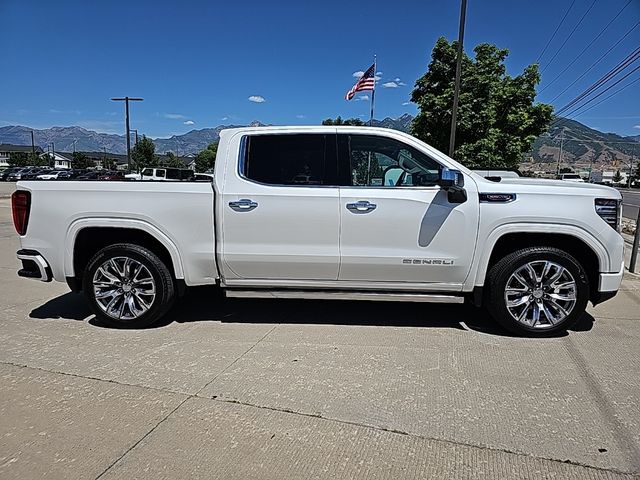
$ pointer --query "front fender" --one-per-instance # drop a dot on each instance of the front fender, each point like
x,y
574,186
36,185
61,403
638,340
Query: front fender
x,y
485,250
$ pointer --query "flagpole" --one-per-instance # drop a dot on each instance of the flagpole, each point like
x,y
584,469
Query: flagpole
x,y
373,92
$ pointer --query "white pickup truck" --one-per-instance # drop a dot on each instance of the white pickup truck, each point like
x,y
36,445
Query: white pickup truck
x,y
354,213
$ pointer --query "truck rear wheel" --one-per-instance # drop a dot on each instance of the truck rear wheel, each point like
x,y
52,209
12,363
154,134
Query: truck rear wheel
x,y
537,291
128,286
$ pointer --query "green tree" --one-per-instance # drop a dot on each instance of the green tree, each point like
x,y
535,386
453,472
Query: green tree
x,y
617,177
143,154
497,117
80,160
23,159
566,170
109,164
339,121
206,159
172,161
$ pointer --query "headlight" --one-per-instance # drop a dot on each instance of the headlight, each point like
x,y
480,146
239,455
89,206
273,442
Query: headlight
x,y
610,211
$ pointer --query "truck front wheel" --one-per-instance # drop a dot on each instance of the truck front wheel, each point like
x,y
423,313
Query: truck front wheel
x,y
537,291
128,286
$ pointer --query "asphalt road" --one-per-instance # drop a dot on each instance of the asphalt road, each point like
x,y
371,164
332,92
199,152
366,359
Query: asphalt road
x,y
631,203
293,389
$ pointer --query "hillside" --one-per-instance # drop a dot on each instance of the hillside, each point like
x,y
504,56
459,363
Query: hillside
x,y
583,147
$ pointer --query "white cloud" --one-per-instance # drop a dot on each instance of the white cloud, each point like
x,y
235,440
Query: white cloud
x,y
636,126
362,98
376,77
224,118
358,74
257,99
174,116
189,122
406,103
390,85
301,116
379,73
65,112
397,79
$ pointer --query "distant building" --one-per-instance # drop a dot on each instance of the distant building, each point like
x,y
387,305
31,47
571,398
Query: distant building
x,y
58,160
7,149
606,176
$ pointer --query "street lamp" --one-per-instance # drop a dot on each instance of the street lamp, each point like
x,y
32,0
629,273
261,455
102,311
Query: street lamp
x,y
126,101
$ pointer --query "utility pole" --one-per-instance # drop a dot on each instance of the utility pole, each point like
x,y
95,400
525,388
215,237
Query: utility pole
x,y
456,91
560,155
74,145
126,101
633,154
135,130
53,154
33,144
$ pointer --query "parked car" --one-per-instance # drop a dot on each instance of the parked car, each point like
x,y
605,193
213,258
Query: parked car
x,y
115,175
50,175
33,173
22,174
5,173
167,174
416,226
571,177
497,175
90,175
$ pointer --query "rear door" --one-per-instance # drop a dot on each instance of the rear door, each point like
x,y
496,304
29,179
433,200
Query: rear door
x,y
398,226
280,209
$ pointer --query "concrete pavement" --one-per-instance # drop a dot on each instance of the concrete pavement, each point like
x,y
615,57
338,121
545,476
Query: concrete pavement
x,y
292,389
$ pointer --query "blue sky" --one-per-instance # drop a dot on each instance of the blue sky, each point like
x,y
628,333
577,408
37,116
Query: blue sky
x,y
202,61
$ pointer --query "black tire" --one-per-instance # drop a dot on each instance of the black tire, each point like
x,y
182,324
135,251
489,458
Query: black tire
x,y
500,273
164,285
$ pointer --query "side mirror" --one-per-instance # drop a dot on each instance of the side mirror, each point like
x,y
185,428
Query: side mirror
x,y
450,178
453,182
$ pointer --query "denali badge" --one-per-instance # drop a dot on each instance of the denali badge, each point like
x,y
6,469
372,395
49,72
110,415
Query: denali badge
x,y
426,261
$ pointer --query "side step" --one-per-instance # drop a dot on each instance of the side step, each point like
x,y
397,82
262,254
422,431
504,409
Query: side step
x,y
345,295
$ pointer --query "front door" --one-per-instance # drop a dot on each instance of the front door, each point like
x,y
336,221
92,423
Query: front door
x,y
398,226
281,214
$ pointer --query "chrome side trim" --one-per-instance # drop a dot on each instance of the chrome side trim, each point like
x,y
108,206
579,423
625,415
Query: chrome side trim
x,y
497,197
344,295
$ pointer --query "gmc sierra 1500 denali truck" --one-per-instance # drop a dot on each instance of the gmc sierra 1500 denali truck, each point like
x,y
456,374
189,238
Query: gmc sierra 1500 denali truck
x,y
355,213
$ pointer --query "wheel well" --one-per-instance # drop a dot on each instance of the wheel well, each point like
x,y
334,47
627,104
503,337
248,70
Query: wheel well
x,y
92,239
575,247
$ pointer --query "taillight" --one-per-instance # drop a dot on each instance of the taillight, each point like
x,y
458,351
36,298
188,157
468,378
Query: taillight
x,y
20,206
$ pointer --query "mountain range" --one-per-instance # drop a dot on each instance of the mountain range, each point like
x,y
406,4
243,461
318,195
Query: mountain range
x,y
582,147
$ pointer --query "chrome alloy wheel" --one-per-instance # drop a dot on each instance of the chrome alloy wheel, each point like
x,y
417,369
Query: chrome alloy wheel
x,y
540,294
124,288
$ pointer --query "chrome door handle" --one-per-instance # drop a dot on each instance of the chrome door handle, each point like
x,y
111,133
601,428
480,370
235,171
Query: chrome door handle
x,y
244,205
361,206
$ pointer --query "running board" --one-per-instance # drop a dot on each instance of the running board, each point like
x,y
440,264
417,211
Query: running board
x,y
344,295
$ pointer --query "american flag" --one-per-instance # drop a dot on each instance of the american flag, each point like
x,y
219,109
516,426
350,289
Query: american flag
x,y
366,82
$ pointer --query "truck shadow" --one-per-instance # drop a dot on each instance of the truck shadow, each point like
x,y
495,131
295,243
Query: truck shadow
x,y
204,304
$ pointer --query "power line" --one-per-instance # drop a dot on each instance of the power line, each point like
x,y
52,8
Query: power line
x,y
596,62
570,35
587,47
632,57
564,120
608,96
555,31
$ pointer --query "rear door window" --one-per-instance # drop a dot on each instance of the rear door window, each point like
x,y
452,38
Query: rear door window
x,y
290,159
